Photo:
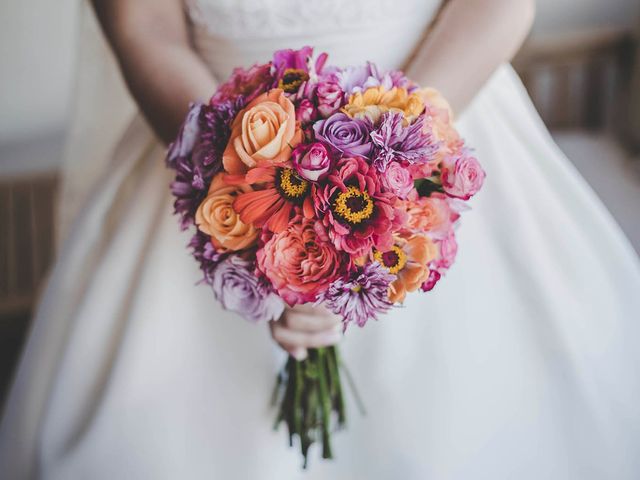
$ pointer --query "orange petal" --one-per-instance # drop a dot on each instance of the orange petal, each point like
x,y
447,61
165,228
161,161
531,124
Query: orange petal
x,y
253,206
260,175
279,221
307,208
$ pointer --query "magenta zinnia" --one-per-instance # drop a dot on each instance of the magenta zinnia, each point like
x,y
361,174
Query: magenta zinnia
x,y
358,214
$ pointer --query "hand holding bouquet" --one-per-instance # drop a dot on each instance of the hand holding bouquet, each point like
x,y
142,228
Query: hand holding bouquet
x,y
308,183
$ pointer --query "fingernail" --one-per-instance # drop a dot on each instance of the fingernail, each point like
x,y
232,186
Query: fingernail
x,y
299,354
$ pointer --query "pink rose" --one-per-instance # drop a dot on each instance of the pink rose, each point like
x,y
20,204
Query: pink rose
x,y
305,111
330,97
311,161
447,251
397,180
462,175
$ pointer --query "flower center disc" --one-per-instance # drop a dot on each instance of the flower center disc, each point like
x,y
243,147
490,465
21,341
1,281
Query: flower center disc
x,y
292,79
353,206
290,185
393,260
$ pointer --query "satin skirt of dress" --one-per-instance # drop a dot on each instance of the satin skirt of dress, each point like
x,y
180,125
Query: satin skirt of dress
x,y
522,363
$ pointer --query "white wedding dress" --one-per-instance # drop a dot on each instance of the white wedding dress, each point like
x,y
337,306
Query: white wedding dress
x,y
522,364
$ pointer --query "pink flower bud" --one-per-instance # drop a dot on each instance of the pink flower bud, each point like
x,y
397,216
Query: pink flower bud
x,y
305,111
311,161
330,97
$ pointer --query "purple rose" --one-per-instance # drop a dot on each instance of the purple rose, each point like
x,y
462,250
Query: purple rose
x,y
330,97
350,136
462,175
238,289
398,180
306,111
311,161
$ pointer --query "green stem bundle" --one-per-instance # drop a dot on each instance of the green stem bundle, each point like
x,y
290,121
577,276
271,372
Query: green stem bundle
x,y
310,399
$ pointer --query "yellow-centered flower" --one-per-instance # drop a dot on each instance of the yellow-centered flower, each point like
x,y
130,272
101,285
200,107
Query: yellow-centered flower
x,y
292,79
291,185
353,206
393,260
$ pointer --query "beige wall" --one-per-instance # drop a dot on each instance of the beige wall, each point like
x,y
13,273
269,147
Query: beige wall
x,y
36,65
37,53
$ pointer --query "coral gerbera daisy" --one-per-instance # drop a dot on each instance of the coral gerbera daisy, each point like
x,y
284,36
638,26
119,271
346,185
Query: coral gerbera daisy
x,y
278,192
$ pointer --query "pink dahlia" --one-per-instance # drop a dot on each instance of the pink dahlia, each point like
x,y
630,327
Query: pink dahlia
x,y
352,205
300,261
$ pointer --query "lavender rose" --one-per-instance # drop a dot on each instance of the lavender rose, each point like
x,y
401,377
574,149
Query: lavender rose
x,y
397,180
349,136
462,175
311,161
237,288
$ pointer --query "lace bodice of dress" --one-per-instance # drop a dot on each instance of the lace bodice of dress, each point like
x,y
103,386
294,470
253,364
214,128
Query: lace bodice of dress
x,y
230,33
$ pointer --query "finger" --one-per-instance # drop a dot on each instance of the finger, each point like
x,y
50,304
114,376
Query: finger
x,y
299,353
288,337
310,323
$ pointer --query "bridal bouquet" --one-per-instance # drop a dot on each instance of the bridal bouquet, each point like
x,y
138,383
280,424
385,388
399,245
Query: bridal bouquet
x,y
312,183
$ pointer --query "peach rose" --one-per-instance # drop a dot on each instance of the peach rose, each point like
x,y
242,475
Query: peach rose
x,y
216,217
264,132
430,214
375,101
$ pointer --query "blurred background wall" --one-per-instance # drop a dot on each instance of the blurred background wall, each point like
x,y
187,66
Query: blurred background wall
x,y
37,53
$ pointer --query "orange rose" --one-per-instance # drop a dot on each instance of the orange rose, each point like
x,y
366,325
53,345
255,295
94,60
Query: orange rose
x,y
264,132
216,217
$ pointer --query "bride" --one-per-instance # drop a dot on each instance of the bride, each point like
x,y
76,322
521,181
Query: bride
x,y
523,363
